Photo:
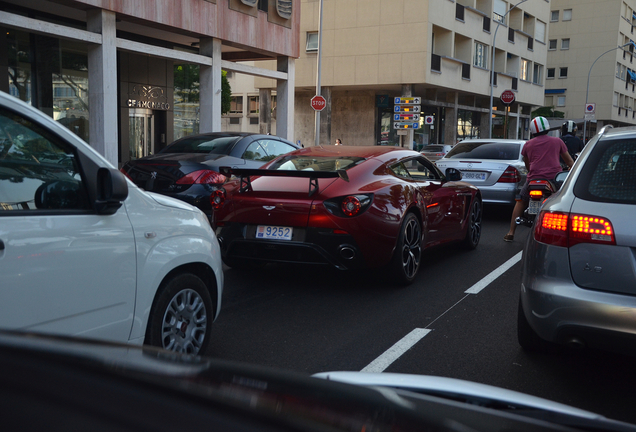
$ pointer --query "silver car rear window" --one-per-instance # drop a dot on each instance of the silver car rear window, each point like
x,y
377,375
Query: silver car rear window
x,y
609,174
485,150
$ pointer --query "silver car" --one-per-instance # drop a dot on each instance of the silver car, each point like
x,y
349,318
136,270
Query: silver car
x,y
435,152
495,166
578,284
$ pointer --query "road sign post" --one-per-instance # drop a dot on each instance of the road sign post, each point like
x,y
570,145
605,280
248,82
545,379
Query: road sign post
x,y
507,98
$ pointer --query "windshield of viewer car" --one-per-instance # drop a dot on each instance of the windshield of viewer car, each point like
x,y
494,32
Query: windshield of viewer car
x,y
315,163
220,145
485,150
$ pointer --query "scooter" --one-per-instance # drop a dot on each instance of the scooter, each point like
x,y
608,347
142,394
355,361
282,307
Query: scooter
x,y
539,191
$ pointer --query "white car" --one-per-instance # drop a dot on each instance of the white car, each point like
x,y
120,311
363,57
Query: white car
x,y
83,251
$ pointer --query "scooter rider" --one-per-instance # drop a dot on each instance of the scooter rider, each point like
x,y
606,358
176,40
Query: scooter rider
x,y
541,157
568,135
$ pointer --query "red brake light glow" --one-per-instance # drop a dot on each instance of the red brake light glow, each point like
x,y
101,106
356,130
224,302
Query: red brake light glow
x,y
567,230
217,198
510,175
202,177
351,206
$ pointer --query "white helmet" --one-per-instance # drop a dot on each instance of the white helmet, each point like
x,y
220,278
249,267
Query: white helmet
x,y
569,127
538,125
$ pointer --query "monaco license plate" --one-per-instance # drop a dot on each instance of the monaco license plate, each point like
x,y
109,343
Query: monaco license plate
x,y
274,232
533,207
473,175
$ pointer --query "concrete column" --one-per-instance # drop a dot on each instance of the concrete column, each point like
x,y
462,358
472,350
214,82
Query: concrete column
x,y
210,87
4,61
102,85
325,118
285,99
450,120
406,141
265,111
513,124
484,124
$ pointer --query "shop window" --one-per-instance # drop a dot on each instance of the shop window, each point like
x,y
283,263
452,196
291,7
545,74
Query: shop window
x,y
236,105
312,42
253,105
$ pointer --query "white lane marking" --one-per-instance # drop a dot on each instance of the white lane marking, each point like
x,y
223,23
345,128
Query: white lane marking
x,y
475,289
396,351
406,343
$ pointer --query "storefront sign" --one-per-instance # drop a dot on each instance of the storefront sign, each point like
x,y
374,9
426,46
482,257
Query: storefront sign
x,y
149,97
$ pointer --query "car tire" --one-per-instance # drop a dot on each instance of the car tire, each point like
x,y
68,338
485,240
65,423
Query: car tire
x,y
473,228
408,251
182,314
528,338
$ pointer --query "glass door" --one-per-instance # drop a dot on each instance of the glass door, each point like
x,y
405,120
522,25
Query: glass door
x,y
141,137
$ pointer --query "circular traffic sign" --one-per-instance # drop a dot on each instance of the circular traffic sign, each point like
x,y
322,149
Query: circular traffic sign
x,y
318,103
507,97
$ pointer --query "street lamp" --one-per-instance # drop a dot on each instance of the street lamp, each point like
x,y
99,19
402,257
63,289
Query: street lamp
x,y
587,90
492,68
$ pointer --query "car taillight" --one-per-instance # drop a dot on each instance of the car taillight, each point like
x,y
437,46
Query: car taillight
x,y
351,206
202,177
510,175
217,198
567,229
536,194
125,173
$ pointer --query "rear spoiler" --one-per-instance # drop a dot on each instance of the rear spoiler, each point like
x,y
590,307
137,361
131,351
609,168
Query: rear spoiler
x,y
245,174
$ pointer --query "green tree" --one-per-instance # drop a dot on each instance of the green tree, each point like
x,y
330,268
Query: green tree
x,y
186,86
548,111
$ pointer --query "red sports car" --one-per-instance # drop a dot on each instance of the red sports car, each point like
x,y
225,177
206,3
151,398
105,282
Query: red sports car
x,y
344,206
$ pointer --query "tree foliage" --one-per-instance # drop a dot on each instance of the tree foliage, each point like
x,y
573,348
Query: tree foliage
x,y
186,86
548,111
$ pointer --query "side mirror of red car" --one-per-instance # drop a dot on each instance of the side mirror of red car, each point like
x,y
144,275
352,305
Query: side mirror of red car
x,y
453,174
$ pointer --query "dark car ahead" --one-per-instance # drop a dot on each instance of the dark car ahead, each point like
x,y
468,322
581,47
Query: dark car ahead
x,y
188,169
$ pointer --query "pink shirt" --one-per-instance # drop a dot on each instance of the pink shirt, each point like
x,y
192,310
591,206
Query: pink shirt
x,y
543,154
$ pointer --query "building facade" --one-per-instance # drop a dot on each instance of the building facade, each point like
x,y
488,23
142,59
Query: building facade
x,y
591,63
439,51
129,77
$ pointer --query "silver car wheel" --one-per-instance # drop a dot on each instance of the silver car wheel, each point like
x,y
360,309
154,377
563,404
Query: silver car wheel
x,y
184,323
411,247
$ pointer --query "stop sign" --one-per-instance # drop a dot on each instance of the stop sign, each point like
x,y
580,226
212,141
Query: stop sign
x,y
507,97
318,103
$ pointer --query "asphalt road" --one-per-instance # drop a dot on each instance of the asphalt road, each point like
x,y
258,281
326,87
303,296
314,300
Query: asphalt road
x,y
312,319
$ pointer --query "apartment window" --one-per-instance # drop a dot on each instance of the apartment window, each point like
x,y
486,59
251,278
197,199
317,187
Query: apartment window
x,y
565,43
236,105
623,72
563,72
537,74
618,70
253,104
567,14
552,44
549,101
554,16
539,31
499,11
312,41
551,73
615,99
525,69
561,101
481,55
